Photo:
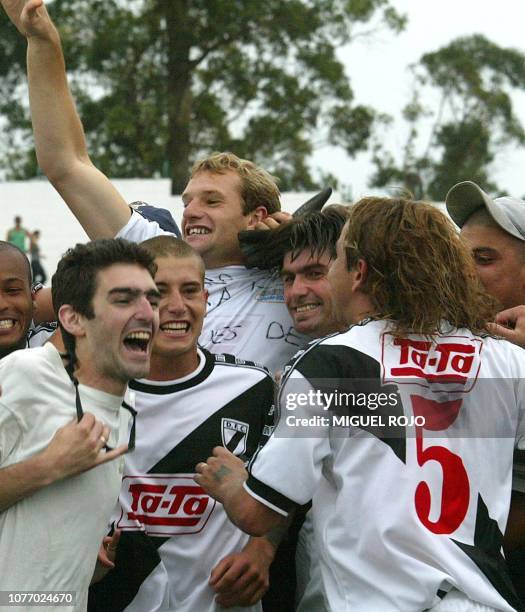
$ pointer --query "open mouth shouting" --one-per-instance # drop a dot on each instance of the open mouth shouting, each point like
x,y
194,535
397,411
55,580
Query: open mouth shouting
x,y
138,342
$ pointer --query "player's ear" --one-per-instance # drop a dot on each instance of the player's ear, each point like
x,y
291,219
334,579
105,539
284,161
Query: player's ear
x,y
71,320
360,274
257,215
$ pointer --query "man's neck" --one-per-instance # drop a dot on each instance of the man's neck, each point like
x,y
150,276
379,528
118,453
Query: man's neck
x,y
168,367
98,381
211,263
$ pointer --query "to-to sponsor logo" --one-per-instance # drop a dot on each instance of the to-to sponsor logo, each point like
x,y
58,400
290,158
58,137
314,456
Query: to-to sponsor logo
x,y
450,360
168,504
234,435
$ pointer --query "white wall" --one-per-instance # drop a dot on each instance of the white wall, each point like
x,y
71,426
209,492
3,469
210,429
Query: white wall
x,y
42,208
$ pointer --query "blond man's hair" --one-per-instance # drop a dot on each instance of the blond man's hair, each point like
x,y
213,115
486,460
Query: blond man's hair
x,y
419,271
258,187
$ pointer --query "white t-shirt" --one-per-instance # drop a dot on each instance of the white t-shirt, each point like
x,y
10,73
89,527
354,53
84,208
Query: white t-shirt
x,y
401,514
50,540
246,314
173,534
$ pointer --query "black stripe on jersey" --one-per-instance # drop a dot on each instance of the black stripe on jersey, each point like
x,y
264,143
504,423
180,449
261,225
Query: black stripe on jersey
x,y
271,495
137,552
166,389
41,327
328,367
486,554
250,406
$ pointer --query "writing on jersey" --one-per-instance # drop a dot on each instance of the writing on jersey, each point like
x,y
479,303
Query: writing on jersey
x,y
164,505
452,360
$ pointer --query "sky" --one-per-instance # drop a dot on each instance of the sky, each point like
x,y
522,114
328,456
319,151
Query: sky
x,y
378,71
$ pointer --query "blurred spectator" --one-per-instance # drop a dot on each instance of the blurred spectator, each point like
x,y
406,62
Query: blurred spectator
x,y
17,235
39,274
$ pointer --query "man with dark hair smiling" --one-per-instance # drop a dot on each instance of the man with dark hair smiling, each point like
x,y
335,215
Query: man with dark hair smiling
x,y
308,247
105,297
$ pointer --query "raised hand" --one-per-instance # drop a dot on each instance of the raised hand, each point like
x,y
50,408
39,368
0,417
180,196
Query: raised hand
x,y
510,324
30,18
78,447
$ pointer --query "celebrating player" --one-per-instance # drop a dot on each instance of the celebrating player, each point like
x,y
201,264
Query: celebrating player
x,y
403,513
106,297
178,549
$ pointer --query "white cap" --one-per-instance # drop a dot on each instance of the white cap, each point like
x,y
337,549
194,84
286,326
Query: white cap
x,y
466,198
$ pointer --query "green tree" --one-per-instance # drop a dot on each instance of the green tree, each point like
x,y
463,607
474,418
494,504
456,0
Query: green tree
x,y
160,82
471,120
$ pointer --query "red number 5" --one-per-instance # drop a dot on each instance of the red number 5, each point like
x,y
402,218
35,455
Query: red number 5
x,y
455,494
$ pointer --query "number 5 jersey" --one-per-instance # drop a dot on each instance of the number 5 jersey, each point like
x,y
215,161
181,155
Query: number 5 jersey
x,y
405,445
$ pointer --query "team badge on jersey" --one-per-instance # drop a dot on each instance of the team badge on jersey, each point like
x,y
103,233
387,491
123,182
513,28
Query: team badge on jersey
x,y
234,435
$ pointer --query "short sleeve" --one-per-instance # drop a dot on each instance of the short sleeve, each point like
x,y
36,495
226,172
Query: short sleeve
x,y
138,229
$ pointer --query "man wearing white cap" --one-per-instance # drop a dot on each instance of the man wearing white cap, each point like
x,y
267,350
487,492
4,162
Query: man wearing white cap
x,y
495,231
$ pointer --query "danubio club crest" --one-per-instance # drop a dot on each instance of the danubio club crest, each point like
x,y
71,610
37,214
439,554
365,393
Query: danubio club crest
x,y
234,435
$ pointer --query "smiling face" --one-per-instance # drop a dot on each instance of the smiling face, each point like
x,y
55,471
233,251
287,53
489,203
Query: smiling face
x,y
500,262
213,217
308,295
182,309
16,303
115,345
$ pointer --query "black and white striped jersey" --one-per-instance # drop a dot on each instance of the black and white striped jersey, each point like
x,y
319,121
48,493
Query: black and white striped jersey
x,y
38,335
173,533
410,470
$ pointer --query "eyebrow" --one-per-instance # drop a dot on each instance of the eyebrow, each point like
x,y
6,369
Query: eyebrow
x,y
307,268
208,192
484,250
184,284
134,293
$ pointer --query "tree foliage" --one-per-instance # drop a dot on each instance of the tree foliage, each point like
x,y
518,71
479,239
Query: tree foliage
x,y
472,121
161,82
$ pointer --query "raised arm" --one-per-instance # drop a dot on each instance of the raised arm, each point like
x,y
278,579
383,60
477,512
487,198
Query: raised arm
x,y
59,136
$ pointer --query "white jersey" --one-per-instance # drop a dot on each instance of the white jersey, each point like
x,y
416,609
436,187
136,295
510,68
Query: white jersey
x,y
49,540
410,473
173,534
38,335
246,313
